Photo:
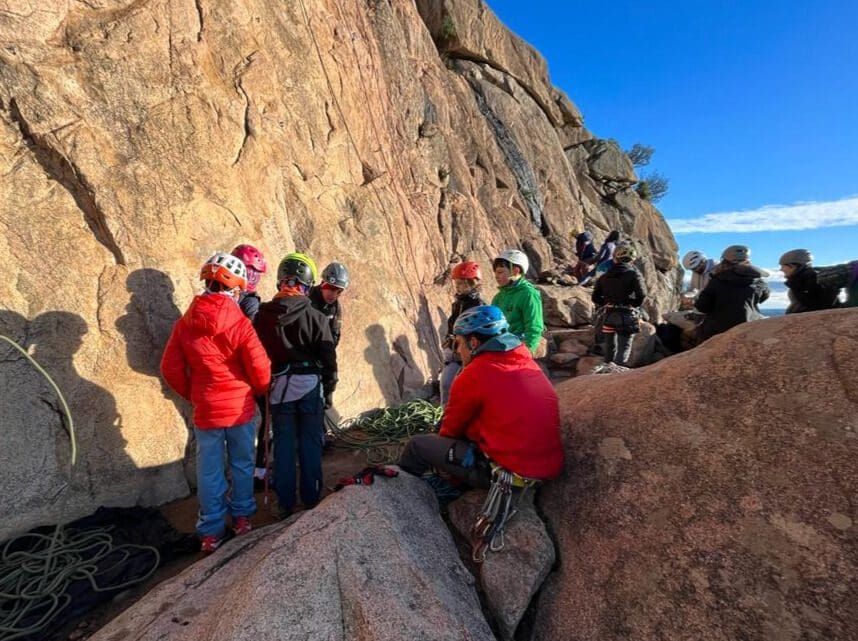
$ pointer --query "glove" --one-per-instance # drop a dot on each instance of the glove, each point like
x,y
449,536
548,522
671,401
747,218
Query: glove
x,y
329,400
366,476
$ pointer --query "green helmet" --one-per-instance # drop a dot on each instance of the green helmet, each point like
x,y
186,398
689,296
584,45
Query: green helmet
x,y
297,267
625,253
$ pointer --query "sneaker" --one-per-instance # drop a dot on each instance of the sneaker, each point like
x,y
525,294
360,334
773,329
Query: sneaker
x,y
241,525
444,491
210,543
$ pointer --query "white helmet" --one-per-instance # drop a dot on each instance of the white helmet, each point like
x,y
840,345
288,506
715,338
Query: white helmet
x,y
514,257
225,269
693,259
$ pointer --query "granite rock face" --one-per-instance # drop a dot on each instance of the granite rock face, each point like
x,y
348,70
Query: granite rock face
x,y
138,138
711,496
371,562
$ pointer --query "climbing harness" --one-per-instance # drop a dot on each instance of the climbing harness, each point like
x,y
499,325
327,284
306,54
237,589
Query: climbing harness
x,y
381,433
505,493
36,570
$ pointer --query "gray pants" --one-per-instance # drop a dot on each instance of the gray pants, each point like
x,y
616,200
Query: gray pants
x,y
426,452
618,348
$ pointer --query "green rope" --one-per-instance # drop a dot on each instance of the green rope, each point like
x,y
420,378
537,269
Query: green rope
x,y
62,398
37,569
381,433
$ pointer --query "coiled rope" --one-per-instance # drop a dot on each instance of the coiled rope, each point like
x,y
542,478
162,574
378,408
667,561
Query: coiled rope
x,y
382,433
36,570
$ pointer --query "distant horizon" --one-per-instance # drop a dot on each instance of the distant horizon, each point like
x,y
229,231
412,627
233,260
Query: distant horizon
x,y
752,110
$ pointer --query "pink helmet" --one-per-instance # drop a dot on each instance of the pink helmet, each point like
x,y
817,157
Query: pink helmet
x,y
255,262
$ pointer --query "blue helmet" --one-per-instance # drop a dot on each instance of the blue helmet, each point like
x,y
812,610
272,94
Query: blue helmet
x,y
485,320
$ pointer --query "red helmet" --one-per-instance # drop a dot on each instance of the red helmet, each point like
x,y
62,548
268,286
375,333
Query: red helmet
x,y
255,262
467,270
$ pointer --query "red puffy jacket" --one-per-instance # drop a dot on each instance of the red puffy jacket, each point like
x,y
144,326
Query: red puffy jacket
x,y
504,403
215,360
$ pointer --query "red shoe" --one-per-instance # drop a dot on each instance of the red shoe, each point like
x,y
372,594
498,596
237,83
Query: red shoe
x,y
241,525
210,543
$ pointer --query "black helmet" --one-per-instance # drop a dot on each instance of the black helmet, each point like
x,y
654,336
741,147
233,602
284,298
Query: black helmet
x,y
796,257
336,274
296,266
736,254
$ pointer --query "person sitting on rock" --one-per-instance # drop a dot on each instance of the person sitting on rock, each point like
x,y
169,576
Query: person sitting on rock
x,y
734,293
501,408
326,297
520,301
586,252
467,280
215,360
700,268
806,292
620,290
254,261
304,364
605,258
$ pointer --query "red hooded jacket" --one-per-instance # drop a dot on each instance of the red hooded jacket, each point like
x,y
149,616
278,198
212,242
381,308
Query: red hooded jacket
x,y
215,360
503,402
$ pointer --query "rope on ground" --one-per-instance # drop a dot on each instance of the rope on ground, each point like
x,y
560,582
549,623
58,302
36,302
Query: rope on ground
x,y
36,570
381,433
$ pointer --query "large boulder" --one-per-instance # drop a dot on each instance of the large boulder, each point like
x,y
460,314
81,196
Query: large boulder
x,y
138,138
512,575
371,562
566,306
712,496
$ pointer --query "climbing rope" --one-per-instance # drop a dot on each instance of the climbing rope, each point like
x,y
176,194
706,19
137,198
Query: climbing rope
x,y
381,433
36,570
70,421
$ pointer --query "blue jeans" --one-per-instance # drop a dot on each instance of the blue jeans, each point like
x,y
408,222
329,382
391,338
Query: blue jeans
x,y
211,480
299,426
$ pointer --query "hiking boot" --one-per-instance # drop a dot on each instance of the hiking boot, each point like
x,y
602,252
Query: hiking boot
x,y
210,543
444,491
241,525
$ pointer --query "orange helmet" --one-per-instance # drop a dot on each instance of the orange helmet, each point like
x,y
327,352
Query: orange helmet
x,y
467,270
226,269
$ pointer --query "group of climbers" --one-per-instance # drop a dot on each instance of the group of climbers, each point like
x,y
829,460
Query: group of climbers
x,y
230,349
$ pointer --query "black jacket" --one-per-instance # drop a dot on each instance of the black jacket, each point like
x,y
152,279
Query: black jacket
x,y
621,285
806,294
295,334
462,303
621,290
333,312
249,303
732,297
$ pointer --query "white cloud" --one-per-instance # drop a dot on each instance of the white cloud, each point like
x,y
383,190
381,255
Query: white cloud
x,y
810,215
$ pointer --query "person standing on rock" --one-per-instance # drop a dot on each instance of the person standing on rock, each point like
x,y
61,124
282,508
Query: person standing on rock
x,y
467,279
806,292
520,302
215,360
254,261
304,364
700,268
325,297
605,258
734,293
501,408
621,292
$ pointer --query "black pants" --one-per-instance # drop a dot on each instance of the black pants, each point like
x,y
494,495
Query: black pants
x,y
260,435
425,452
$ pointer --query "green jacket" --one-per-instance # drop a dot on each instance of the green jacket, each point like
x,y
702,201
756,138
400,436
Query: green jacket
x,y
521,303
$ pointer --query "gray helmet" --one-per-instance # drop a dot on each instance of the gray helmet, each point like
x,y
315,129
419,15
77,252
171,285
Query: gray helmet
x,y
336,274
796,257
736,254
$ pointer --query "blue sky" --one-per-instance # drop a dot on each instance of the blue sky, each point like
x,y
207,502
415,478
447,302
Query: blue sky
x,y
752,109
